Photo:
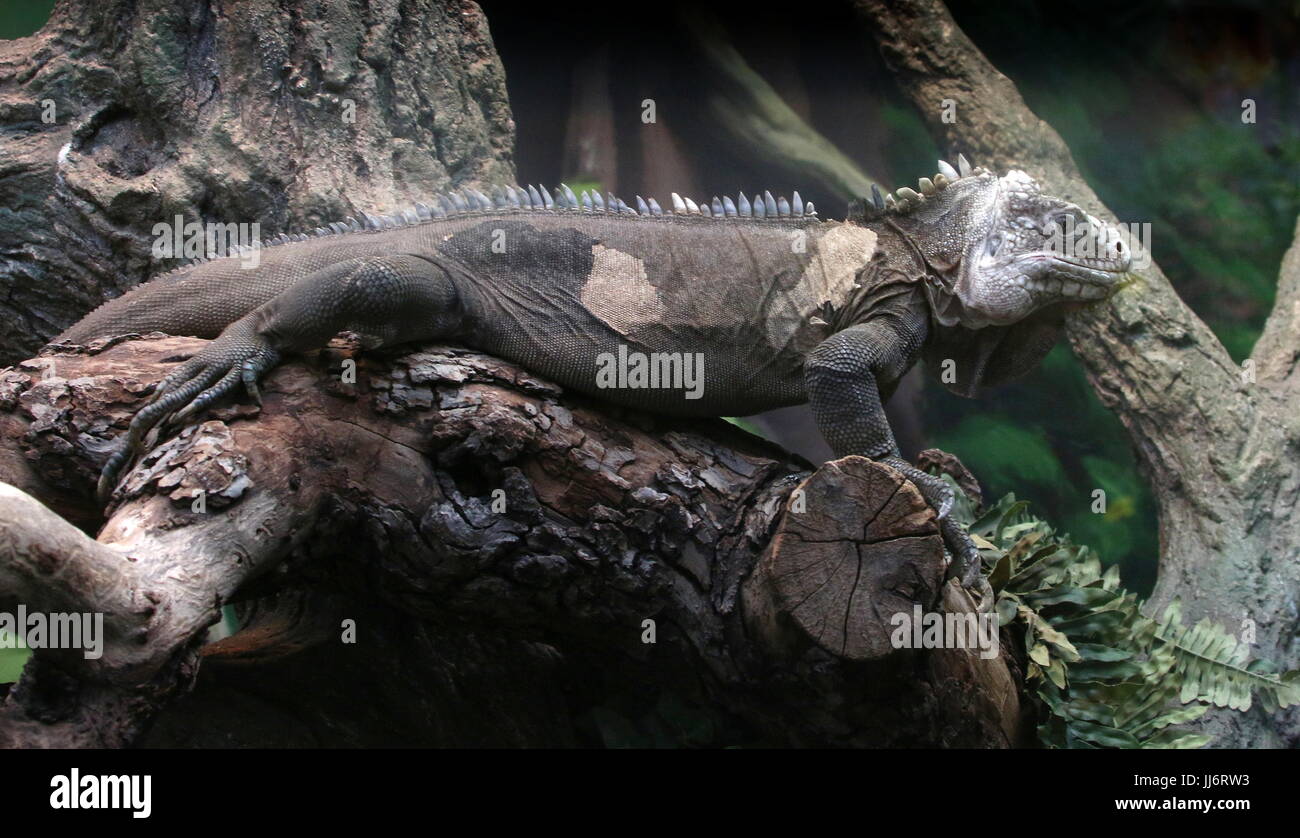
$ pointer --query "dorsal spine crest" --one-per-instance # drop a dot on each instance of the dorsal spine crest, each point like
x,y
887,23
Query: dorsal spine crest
x,y
468,202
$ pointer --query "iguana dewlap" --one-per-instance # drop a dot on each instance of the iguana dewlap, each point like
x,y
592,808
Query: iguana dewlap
x,y
768,305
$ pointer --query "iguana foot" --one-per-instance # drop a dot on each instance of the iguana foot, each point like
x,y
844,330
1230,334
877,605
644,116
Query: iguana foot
x,y
237,355
965,564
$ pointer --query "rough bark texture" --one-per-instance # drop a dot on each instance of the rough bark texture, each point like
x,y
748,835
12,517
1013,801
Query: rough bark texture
x,y
506,544
288,115
1219,445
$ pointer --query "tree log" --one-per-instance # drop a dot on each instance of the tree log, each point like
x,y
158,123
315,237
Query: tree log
x,y
864,547
448,494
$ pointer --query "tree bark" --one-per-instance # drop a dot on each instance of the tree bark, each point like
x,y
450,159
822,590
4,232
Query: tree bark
x,y
285,115
1217,442
460,498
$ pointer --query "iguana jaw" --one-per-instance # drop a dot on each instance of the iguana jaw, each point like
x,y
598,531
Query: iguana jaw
x,y
1065,280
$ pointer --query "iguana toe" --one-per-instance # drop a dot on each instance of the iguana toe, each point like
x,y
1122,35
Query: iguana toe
x,y
192,387
207,397
966,565
253,368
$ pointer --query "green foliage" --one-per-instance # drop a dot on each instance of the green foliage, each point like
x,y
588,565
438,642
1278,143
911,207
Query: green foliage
x,y
1225,228
1003,453
1214,668
1105,674
20,19
12,662
1048,437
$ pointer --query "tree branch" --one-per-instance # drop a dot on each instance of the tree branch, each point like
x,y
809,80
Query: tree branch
x,y
1212,443
755,117
121,115
1277,353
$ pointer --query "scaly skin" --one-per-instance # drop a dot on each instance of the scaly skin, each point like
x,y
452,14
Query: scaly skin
x,y
781,309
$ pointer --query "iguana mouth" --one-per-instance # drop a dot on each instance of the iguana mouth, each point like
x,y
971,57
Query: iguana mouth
x,y
1072,287
1089,274
1082,277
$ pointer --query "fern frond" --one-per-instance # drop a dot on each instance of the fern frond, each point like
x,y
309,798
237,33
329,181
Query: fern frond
x,y
1104,674
1213,666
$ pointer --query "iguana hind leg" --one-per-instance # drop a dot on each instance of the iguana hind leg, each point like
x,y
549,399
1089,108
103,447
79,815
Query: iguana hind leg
x,y
387,299
842,376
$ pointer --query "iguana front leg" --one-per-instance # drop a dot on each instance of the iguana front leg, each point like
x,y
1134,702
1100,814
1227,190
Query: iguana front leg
x,y
387,299
841,377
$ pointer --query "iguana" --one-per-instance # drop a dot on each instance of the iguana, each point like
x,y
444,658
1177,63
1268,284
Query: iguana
x,y
778,307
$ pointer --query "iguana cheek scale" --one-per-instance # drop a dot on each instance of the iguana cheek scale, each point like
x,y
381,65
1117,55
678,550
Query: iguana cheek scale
x,y
778,306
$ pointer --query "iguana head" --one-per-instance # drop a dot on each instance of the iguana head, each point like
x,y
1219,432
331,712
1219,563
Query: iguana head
x,y
999,250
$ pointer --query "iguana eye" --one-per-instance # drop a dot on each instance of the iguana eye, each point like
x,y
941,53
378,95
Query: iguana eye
x,y
994,244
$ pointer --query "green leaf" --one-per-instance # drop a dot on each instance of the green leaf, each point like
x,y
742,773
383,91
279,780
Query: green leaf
x,y
1087,597
1103,735
1056,672
1105,675
1182,740
1111,672
1098,652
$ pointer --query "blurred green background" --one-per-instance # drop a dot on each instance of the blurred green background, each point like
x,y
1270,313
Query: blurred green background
x,y
23,17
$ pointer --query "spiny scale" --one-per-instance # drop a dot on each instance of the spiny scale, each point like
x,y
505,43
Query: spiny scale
x,y
469,201
906,198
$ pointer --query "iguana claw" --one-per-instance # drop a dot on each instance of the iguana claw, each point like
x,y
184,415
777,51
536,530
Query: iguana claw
x,y
233,357
965,562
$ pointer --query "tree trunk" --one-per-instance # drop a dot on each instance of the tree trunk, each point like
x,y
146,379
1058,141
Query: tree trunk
x,y
1219,444
457,499
122,114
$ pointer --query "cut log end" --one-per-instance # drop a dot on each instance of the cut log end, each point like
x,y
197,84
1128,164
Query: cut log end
x,y
857,545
